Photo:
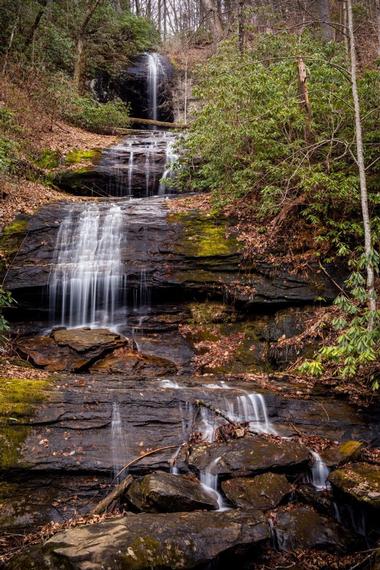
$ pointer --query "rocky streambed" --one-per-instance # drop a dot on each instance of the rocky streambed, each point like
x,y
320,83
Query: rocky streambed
x,y
226,461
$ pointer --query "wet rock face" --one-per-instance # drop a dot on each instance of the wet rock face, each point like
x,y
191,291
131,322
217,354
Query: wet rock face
x,y
164,492
262,492
302,527
181,257
139,542
360,482
248,456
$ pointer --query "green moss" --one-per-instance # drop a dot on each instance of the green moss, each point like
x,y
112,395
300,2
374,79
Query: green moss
x,y
18,397
205,313
148,552
48,159
11,239
203,236
78,155
18,401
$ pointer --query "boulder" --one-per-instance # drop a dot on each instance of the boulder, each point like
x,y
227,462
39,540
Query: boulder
x,y
70,350
302,527
262,492
130,362
360,481
168,493
249,456
140,542
346,451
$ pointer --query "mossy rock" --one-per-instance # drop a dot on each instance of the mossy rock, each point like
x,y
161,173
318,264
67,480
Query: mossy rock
x,y
11,239
359,481
19,399
79,155
211,312
204,236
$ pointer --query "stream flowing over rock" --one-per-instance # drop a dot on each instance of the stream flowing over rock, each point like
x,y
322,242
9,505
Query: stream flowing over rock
x,y
122,300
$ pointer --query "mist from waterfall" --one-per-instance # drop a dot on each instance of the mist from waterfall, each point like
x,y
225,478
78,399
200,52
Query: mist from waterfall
x,y
86,283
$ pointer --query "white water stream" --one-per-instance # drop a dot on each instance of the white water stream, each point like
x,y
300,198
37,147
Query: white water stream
x,y
87,279
155,75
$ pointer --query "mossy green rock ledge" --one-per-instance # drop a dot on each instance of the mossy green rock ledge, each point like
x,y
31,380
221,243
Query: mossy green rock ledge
x,y
360,481
145,541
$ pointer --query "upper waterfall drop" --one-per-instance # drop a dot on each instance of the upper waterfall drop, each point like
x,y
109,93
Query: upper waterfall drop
x,y
156,74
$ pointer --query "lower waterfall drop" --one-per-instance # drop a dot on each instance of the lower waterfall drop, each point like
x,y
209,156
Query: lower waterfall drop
x,y
118,441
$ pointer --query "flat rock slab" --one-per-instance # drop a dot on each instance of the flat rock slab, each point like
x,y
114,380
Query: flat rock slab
x,y
144,541
248,456
262,492
302,527
71,350
126,361
360,481
168,493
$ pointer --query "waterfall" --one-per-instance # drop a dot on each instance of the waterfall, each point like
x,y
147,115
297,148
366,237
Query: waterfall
x,y
155,72
171,159
118,440
319,472
88,276
245,409
251,409
209,482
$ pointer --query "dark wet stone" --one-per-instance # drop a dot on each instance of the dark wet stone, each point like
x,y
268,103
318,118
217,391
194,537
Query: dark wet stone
x,y
249,456
360,482
140,542
167,493
302,527
181,256
262,492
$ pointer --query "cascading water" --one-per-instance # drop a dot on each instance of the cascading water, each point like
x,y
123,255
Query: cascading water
x,y
155,75
209,481
319,472
118,440
88,276
171,159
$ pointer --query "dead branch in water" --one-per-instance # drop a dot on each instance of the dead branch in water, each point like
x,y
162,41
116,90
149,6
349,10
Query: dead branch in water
x,y
105,503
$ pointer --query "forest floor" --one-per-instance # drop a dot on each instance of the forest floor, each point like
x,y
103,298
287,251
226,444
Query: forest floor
x,y
19,195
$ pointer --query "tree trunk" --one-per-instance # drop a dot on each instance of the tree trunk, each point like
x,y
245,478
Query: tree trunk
x,y
304,97
11,39
30,38
79,47
378,26
78,62
362,174
241,26
211,13
325,18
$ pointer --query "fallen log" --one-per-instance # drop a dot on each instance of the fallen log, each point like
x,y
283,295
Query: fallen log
x,y
111,497
154,123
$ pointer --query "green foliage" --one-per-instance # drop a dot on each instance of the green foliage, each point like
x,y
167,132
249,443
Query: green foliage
x,y
87,113
5,301
8,154
110,39
249,135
